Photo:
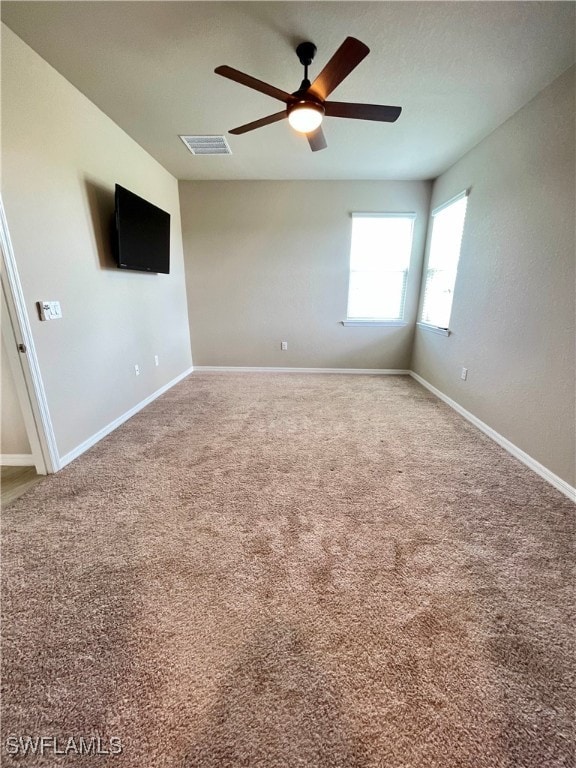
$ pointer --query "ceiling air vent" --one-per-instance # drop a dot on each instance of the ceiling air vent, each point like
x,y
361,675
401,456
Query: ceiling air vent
x,y
207,145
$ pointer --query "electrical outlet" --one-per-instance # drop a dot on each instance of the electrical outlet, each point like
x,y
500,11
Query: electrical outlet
x,y
137,370
283,346
156,360
464,374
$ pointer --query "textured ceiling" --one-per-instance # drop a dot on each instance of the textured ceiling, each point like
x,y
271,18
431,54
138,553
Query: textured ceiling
x,y
458,69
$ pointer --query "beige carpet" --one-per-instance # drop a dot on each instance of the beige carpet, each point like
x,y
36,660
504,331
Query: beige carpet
x,y
292,570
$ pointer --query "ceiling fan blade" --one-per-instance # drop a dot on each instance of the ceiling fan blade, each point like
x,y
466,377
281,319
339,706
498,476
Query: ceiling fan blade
x,y
252,82
259,123
378,112
346,58
316,139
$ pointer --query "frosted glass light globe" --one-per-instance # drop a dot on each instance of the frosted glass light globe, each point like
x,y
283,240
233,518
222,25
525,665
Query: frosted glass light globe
x,y
305,118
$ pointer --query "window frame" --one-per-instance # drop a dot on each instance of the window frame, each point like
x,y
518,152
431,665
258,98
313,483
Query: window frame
x,y
442,330
381,321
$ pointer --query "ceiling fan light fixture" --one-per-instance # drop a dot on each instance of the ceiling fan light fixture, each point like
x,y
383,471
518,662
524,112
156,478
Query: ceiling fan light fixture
x,y
305,116
306,107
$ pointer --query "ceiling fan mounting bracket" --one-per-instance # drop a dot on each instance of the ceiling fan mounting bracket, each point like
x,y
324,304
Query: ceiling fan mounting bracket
x,y
305,101
306,53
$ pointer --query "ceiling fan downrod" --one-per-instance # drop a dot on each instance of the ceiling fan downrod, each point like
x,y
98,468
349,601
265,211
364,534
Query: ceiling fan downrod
x,y
306,52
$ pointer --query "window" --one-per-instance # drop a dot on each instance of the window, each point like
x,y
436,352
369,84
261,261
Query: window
x,y
379,262
447,228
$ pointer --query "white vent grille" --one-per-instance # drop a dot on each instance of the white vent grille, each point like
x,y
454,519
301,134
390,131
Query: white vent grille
x,y
207,145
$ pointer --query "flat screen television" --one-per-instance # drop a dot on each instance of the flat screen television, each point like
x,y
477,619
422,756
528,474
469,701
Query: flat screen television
x,y
142,238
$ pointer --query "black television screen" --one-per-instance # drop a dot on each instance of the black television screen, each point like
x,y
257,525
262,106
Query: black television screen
x,y
142,233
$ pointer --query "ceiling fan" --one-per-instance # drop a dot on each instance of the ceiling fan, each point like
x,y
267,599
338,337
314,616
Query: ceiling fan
x,y
306,107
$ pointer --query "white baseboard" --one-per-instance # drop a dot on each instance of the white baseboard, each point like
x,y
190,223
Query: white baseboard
x,y
256,369
518,453
17,460
83,447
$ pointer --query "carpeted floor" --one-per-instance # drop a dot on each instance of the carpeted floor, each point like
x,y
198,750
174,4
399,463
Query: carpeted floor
x,y
291,570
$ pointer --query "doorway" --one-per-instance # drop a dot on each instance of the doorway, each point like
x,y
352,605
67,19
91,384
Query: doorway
x,y
22,361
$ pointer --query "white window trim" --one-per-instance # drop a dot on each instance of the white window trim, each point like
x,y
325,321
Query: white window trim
x,y
434,328
380,215
452,200
373,321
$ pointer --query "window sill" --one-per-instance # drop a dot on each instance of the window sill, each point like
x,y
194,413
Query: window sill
x,y
434,329
381,323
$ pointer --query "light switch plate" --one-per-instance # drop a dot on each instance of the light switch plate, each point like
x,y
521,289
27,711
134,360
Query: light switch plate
x,y
56,310
49,310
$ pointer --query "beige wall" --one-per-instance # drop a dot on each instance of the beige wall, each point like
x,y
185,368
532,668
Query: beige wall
x,y
268,261
13,438
514,305
61,157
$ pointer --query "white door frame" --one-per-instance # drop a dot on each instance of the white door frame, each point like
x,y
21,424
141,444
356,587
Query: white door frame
x,y
23,360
